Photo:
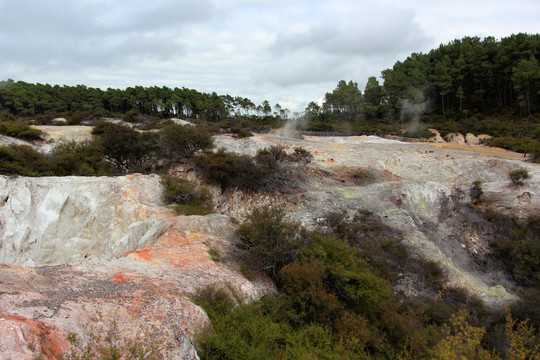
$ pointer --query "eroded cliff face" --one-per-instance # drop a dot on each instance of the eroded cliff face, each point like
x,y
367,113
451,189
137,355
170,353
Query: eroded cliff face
x,y
79,253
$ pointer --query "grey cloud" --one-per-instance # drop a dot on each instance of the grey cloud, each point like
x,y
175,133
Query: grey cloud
x,y
53,34
57,17
339,48
393,33
154,15
302,68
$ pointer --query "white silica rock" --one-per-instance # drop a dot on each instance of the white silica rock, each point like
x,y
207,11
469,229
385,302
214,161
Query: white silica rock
x,y
55,220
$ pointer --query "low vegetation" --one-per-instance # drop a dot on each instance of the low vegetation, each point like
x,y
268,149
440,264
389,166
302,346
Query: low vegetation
x,y
24,160
114,149
111,346
180,142
363,177
125,148
231,170
269,170
518,247
186,197
80,159
476,193
335,303
518,177
19,129
337,296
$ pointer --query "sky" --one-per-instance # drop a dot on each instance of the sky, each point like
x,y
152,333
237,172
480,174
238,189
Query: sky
x,y
287,52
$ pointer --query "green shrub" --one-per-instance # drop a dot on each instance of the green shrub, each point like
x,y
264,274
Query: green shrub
x,y
520,251
267,171
215,300
127,149
214,254
519,176
19,129
375,242
432,274
240,133
363,177
24,160
476,192
520,144
231,170
275,154
259,331
270,240
301,155
80,159
305,287
110,346
184,141
187,198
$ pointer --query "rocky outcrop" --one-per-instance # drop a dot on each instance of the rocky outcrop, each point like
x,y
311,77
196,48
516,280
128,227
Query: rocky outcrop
x,y
421,189
79,253
436,136
455,138
51,221
107,255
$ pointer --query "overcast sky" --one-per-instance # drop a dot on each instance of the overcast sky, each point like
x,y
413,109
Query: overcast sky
x,y
285,51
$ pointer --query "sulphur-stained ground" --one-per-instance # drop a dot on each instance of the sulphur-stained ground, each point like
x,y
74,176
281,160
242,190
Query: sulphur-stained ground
x,y
97,257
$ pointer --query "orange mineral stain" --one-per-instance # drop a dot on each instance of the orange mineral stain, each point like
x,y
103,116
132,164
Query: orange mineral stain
x,y
119,278
50,339
143,255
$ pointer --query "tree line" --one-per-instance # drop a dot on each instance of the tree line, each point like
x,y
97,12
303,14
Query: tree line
x,y
473,84
26,100
466,76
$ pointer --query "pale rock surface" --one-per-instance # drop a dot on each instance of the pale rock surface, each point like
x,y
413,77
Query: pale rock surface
x,y
51,221
8,141
106,248
436,136
471,139
59,121
104,251
455,138
484,137
422,190
54,135
181,122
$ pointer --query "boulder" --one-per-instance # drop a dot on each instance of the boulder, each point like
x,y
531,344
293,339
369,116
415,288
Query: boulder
x,y
455,138
471,139
59,121
483,137
437,138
